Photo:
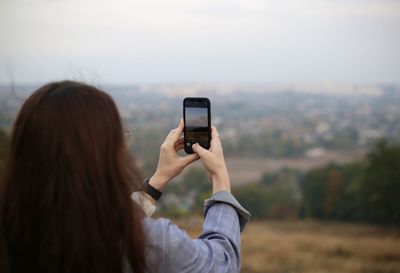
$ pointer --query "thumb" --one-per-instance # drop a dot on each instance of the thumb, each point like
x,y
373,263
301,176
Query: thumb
x,y
199,150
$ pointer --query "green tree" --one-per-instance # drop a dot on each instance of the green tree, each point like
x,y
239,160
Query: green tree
x,y
313,188
333,192
187,195
254,198
380,192
275,196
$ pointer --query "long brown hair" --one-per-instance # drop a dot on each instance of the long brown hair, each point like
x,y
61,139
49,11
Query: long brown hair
x,y
65,204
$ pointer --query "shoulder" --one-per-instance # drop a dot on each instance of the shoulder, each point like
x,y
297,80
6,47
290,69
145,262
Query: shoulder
x,y
160,227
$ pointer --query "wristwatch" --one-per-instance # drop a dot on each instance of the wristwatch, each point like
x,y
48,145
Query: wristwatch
x,y
150,190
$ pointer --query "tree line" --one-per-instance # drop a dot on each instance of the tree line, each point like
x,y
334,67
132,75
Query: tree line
x,y
364,191
367,191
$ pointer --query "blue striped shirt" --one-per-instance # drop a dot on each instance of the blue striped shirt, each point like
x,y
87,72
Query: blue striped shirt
x,y
217,249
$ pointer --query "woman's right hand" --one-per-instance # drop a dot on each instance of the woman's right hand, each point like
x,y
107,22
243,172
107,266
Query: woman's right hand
x,y
170,164
213,160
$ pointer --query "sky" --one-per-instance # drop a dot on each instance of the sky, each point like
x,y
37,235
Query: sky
x,y
196,117
191,41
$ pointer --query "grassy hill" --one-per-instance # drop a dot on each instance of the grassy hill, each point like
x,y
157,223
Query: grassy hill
x,y
314,247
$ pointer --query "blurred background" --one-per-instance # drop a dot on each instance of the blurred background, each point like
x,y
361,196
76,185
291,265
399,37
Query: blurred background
x,y
305,94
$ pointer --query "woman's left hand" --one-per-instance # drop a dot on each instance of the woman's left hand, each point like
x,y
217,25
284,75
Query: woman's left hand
x,y
170,164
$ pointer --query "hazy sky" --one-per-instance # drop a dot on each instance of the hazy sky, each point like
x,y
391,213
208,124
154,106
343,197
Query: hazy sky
x,y
126,41
196,117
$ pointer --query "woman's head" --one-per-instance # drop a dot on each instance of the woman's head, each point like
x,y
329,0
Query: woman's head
x,y
67,186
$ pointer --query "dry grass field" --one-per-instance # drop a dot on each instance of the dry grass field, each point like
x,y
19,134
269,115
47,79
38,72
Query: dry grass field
x,y
314,247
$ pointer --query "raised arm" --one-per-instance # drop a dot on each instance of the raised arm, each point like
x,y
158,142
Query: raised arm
x,y
217,249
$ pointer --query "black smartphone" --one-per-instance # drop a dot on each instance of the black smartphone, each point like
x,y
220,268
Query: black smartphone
x,y
197,119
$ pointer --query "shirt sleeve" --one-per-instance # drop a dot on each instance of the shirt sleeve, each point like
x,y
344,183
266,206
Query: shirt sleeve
x,y
228,198
217,249
147,206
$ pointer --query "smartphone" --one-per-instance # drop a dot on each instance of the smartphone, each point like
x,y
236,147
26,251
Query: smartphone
x,y
197,119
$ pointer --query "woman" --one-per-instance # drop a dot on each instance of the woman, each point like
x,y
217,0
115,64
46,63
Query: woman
x,y
66,205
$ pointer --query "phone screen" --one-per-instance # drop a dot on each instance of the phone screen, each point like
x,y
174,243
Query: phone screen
x,y
197,123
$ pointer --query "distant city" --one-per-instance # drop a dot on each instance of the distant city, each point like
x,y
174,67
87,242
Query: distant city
x,y
255,121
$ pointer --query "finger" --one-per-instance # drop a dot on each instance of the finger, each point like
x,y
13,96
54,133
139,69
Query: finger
x,y
178,131
175,134
189,159
199,150
214,132
179,147
215,139
179,142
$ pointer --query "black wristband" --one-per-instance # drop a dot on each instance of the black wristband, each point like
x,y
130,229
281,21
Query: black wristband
x,y
150,190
